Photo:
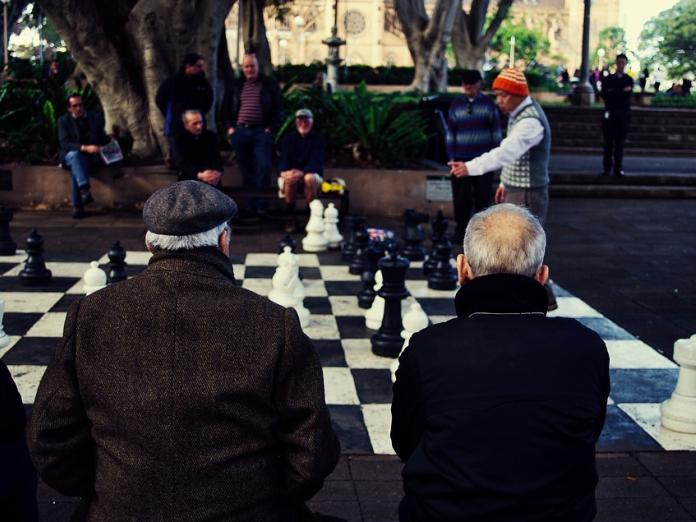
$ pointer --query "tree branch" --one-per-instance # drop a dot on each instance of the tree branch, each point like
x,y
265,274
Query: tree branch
x,y
500,14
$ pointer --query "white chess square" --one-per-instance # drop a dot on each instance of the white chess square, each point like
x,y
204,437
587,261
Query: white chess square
x,y
358,354
378,423
573,307
239,271
19,257
419,288
260,286
27,379
12,340
57,268
322,327
635,354
50,325
647,416
314,288
337,273
30,302
339,386
345,305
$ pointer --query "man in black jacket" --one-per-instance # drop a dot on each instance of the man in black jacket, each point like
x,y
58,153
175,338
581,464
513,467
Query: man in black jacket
x,y
252,114
81,136
616,93
186,89
196,154
496,412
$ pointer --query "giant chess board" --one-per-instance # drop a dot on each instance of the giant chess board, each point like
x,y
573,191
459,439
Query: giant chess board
x,y
358,383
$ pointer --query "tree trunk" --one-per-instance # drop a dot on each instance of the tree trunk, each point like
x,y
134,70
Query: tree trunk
x,y
254,33
427,40
469,39
14,11
128,47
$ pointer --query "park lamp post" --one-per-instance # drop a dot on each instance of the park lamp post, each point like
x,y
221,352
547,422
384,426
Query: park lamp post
x,y
5,31
333,61
584,93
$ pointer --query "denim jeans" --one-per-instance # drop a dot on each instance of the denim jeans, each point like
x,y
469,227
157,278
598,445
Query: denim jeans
x,y
254,148
80,164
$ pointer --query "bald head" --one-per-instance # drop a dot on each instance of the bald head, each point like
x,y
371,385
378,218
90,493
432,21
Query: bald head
x,y
504,239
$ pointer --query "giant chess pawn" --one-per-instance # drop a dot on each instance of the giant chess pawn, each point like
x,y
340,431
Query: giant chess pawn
x,y
366,296
94,278
443,276
117,263
374,314
360,261
35,272
414,235
288,290
314,241
287,241
354,224
331,234
282,290
387,341
679,411
438,228
4,338
298,290
415,320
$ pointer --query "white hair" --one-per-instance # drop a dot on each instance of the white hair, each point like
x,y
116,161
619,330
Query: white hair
x,y
504,239
188,242
185,114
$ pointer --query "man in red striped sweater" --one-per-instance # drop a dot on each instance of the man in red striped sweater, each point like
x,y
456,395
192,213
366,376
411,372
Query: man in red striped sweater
x,y
252,113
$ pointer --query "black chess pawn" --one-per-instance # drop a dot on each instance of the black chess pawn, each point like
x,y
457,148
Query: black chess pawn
x,y
117,263
287,241
354,223
438,229
35,272
443,276
414,235
360,262
387,342
7,246
367,295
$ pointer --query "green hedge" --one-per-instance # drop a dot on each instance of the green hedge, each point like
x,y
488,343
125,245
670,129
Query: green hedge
x,y
664,100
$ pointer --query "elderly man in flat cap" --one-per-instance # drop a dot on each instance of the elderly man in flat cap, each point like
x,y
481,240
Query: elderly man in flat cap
x,y
177,395
523,154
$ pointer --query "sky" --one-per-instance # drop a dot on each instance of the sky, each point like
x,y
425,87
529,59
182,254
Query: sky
x,y
634,14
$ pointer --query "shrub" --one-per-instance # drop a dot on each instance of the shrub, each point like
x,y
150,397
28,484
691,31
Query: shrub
x,y
665,100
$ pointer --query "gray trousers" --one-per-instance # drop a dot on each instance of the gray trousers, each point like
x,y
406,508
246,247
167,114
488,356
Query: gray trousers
x,y
535,199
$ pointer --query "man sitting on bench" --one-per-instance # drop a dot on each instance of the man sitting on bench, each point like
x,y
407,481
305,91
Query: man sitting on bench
x,y
301,164
196,154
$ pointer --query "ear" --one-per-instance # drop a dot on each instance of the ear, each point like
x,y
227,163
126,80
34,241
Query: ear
x,y
149,247
464,272
542,275
224,242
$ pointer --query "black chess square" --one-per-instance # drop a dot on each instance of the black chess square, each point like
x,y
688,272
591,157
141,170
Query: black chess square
x,y
64,303
57,284
32,351
331,353
19,324
343,287
349,425
318,305
353,327
374,386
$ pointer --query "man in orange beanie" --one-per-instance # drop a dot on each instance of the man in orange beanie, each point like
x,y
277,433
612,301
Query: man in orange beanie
x,y
523,155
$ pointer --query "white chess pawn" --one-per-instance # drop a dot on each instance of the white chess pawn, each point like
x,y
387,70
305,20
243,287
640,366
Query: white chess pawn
x,y
286,257
679,411
4,338
282,292
375,314
331,233
414,321
298,290
314,241
94,278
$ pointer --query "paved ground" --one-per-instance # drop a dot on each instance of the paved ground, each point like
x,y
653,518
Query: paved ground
x,y
592,163
633,260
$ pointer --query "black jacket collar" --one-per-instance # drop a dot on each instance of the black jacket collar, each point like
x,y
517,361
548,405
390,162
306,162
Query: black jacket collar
x,y
206,261
501,294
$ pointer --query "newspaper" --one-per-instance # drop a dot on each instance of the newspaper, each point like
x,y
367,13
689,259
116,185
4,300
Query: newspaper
x,y
111,152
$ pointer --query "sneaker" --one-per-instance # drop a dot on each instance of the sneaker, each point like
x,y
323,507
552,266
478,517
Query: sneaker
x,y
79,213
86,195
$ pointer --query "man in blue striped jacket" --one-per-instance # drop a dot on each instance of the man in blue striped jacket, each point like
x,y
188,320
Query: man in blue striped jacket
x,y
473,128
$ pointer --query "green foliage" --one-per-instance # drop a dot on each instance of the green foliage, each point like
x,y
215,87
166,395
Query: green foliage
x,y
613,41
669,39
663,100
530,44
386,129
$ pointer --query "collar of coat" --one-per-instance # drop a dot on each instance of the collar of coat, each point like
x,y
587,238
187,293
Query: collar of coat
x,y
501,294
206,262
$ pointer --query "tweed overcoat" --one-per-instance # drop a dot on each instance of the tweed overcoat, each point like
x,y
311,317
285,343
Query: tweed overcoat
x,y
177,395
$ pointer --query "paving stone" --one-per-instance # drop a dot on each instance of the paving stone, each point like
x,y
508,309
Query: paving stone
x,y
368,467
379,491
633,487
671,463
680,486
641,510
56,511
46,493
342,470
349,511
380,512
619,465
690,505
336,491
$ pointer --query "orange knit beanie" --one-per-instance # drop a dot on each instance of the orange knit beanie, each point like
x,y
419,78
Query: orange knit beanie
x,y
512,81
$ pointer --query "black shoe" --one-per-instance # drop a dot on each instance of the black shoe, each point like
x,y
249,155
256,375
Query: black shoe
x,y
79,213
86,195
620,174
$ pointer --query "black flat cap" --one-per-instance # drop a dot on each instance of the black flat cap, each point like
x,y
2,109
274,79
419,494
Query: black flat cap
x,y
187,207
471,76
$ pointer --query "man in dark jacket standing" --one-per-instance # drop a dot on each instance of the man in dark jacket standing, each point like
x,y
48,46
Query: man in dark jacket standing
x,y
496,412
177,395
616,93
252,114
186,89
196,153
81,136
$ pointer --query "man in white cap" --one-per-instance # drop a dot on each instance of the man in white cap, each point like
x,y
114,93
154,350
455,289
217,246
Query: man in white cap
x,y
178,395
301,163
